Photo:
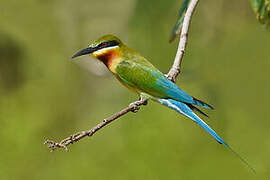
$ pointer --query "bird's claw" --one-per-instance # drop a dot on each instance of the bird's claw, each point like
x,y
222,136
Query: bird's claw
x,y
135,107
145,103
170,77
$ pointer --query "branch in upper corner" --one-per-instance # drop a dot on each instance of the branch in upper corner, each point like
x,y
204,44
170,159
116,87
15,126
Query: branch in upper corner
x,y
133,107
176,68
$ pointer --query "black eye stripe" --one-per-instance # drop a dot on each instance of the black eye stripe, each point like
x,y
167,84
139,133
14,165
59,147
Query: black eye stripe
x,y
114,43
107,44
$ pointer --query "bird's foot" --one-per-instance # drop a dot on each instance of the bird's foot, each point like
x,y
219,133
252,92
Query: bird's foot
x,y
170,77
141,99
145,103
144,99
136,107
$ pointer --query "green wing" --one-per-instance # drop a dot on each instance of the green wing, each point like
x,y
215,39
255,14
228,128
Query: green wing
x,y
146,78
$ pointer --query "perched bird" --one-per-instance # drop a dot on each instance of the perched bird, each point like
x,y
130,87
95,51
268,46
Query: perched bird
x,y
139,75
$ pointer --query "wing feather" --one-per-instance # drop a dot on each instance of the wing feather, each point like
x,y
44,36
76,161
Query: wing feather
x,y
150,80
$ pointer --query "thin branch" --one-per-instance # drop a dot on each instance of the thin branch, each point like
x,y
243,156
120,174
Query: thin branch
x,y
135,106
176,68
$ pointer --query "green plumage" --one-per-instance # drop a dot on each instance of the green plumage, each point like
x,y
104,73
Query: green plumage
x,y
139,75
135,72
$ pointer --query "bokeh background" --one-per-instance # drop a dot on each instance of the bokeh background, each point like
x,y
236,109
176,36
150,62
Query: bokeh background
x,y
45,95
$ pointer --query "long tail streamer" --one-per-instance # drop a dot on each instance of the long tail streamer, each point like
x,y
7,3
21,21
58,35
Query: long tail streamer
x,y
184,109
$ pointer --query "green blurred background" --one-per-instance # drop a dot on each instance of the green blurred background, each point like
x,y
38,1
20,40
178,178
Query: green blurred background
x,y
45,95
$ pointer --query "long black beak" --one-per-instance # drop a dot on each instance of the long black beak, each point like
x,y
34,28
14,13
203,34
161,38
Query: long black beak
x,y
85,51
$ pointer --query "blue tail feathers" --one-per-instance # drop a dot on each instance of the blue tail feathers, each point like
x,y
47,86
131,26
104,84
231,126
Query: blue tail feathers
x,y
202,104
187,111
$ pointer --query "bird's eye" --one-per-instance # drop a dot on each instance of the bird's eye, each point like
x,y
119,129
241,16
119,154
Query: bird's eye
x,y
104,44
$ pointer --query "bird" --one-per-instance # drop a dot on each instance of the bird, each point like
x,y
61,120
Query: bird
x,y
137,74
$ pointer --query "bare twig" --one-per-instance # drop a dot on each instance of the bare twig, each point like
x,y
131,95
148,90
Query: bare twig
x,y
134,107
76,137
176,68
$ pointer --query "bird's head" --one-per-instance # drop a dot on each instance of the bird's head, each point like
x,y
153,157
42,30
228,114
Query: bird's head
x,y
105,49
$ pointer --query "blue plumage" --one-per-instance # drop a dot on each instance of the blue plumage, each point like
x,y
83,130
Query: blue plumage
x,y
185,110
174,92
